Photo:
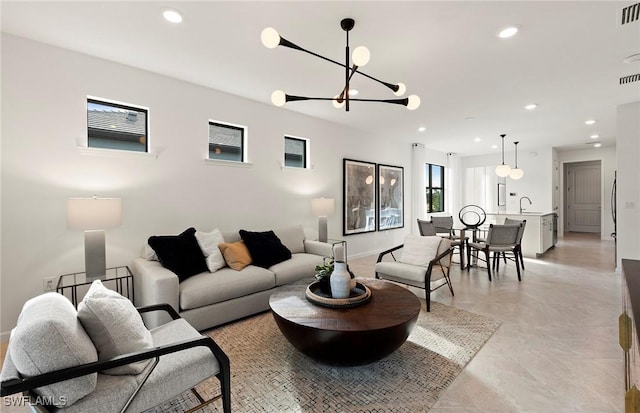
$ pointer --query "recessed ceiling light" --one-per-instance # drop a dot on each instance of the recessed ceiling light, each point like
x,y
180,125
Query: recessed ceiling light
x,y
531,106
422,129
353,92
508,32
590,122
597,145
172,15
596,136
494,146
477,139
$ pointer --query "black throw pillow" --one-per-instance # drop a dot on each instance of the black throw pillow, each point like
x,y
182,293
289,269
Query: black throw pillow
x,y
265,248
180,253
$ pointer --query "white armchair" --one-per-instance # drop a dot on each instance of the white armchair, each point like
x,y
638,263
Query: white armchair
x,y
422,262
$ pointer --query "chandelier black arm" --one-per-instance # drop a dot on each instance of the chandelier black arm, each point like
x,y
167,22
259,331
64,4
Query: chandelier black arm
x,y
401,101
286,43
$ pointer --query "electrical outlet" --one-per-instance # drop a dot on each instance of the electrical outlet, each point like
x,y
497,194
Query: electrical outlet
x,y
49,284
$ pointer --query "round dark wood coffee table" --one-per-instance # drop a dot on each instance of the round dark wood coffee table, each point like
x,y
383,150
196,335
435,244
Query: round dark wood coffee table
x,y
348,337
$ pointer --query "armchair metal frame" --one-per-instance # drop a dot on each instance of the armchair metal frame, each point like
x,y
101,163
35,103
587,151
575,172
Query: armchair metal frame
x,y
26,384
428,271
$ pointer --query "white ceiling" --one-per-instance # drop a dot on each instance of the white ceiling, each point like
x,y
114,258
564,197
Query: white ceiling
x,y
567,58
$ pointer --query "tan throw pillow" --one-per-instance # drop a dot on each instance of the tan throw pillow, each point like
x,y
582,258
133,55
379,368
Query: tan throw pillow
x,y
235,254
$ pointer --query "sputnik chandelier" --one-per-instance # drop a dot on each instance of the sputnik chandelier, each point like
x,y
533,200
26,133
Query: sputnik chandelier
x,y
360,57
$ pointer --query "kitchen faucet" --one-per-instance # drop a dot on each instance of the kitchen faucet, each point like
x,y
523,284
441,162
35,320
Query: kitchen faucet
x,y
527,198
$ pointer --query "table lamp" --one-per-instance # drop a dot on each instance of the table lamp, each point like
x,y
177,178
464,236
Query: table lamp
x,y
94,215
322,208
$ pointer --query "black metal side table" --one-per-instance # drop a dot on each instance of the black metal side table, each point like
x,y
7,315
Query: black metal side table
x,y
119,279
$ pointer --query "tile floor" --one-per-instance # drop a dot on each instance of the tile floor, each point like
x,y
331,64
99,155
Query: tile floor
x,y
556,350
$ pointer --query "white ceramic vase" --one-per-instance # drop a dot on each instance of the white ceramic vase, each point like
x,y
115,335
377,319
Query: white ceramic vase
x,y
340,280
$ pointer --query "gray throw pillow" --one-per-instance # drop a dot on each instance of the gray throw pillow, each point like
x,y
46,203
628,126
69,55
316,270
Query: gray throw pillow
x,y
48,337
115,326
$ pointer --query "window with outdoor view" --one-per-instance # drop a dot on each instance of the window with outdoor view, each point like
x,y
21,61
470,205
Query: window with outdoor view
x,y
434,177
117,126
295,152
226,142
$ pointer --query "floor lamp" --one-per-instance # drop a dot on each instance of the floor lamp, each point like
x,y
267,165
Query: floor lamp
x,y
94,215
322,208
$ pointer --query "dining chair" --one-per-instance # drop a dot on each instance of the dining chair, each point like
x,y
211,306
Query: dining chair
x,y
511,221
500,239
426,228
444,228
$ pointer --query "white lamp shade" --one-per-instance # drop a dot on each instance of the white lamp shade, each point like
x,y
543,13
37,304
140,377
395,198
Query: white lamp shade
x,y
270,38
94,213
401,89
414,102
503,170
336,103
516,173
322,207
278,98
361,56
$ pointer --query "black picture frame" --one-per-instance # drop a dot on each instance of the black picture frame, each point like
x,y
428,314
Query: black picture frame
x,y
359,197
390,210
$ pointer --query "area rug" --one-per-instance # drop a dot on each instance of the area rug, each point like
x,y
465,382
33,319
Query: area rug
x,y
269,375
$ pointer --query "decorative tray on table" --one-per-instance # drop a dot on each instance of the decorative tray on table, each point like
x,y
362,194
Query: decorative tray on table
x,y
360,294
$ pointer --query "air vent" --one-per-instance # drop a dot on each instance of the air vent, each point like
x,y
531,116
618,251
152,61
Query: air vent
x,y
630,79
630,14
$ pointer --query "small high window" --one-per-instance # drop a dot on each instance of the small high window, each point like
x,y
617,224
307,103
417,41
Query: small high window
x,y
295,152
117,126
226,142
434,177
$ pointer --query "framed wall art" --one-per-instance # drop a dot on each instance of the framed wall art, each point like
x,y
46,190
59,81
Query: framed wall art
x,y
359,197
390,197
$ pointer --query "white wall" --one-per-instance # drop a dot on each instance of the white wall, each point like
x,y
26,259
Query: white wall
x,y
607,158
44,92
628,156
535,184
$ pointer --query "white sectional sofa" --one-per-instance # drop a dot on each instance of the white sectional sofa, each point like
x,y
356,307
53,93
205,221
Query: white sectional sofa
x,y
209,299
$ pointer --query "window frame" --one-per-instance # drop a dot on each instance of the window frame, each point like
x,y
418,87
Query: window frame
x,y
429,188
243,140
121,105
305,160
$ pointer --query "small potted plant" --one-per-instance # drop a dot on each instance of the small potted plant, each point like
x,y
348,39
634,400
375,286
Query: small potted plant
x,y
323,275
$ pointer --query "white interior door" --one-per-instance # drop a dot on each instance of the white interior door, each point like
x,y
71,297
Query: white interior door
x,y
583,197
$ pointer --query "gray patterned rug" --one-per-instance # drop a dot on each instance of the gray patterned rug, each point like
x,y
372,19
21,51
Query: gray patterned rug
x,y
269,375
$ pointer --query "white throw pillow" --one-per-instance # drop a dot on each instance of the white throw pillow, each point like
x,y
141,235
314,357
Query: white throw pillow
x,y
419,250
209,242
115,327
49,337
149,253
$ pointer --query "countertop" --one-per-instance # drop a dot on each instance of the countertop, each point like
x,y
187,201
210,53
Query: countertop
x,y
524,213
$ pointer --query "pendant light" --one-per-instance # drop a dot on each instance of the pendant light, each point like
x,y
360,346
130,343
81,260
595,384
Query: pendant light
x,y
503,170
516,173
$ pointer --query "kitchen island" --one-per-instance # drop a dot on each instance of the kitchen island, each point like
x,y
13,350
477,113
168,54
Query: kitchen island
x,y
539,234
